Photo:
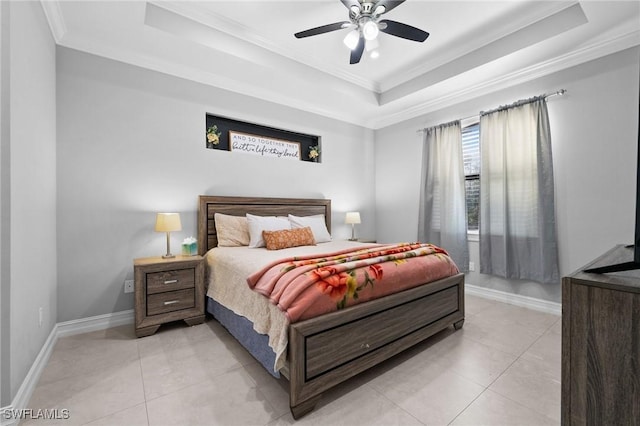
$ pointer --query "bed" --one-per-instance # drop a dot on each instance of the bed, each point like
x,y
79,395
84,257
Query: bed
x,y
324,351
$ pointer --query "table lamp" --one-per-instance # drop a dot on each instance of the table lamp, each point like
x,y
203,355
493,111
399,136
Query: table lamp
x,y
352,218
168,222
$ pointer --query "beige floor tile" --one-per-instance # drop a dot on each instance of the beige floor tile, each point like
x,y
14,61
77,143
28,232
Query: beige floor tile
x,y
90,352
557,327
359,406
134,416
229,399
276,391
474,304
530,383
170,337
475,361
548,350
505,314
93,396
491,408
202,375
505,336
195,362
230,343
426,391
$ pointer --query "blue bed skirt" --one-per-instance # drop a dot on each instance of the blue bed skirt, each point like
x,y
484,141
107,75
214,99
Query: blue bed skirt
x,y
242,329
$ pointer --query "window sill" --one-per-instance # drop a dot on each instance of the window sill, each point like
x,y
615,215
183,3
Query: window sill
x,y
473,236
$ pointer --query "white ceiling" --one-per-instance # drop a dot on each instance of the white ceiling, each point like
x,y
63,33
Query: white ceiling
x,y
248,46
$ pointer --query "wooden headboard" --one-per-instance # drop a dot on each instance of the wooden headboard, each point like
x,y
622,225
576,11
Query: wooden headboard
x,y
239,206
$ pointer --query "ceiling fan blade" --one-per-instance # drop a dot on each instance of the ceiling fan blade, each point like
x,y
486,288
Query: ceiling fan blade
x,y
389,4
349,3
323,29
401,30
356,54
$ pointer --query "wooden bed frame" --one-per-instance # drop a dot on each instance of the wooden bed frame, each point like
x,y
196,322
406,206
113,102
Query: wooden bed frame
x,y
332,348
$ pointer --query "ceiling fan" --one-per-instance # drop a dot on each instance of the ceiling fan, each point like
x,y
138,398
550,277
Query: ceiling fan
x,y
365,23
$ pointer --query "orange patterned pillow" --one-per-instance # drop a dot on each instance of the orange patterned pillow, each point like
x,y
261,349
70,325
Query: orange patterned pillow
x,y
285,238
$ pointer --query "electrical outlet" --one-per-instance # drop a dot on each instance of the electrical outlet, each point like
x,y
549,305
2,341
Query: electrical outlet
x,y
472,266
40,316
128,286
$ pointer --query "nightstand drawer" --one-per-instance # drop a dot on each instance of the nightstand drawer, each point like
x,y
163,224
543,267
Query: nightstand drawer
x,y
160,282
168,290
170,301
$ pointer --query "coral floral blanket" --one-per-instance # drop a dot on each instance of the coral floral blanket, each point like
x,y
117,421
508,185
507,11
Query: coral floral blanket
x,y
307,286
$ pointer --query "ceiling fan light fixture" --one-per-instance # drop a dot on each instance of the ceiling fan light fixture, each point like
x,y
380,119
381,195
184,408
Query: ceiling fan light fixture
x,y
370,30
364,25
351,40
372,45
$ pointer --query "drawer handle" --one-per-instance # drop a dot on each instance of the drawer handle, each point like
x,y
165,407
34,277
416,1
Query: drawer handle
x,y
171,281
171,302
364,346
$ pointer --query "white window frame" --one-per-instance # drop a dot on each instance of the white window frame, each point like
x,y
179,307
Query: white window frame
x,y
472,234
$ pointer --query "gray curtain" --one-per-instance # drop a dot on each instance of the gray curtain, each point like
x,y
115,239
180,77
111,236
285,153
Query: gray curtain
x,y
517,209
442,215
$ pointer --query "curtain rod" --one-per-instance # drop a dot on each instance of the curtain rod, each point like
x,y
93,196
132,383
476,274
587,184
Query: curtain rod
x,y
545,96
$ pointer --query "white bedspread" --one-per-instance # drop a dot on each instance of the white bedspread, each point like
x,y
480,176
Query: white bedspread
x,y
228,269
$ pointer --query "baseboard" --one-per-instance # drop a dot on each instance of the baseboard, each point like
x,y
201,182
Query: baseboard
x,y
9,415
515,299
99,322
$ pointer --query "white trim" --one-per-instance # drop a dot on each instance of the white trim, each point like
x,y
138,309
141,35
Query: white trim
x,y
99,322
515,299
239,31
3,420
378,119
54,16
559,63
31,380
61,329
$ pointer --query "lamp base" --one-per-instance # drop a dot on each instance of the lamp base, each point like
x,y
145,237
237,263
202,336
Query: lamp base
x,y
168,255
353,239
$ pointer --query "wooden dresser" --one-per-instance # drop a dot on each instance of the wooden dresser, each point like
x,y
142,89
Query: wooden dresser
x,y
168,290
601,344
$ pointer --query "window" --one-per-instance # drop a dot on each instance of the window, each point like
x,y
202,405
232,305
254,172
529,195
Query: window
x,y
471,161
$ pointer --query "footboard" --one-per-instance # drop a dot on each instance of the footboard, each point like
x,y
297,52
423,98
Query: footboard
x,y
327,350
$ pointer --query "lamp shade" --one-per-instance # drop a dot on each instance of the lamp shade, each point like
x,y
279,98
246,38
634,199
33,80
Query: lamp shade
x,y
352,217
168,222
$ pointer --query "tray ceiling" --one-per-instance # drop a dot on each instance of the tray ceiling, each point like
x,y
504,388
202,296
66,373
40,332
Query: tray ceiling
x,y
248,47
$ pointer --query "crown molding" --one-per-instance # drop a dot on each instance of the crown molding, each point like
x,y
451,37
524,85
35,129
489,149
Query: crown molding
x,y
53,13
372,118
242,32
511,27
210,78
383,118
559,63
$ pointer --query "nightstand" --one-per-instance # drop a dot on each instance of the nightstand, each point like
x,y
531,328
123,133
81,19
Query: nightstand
x,y
168,290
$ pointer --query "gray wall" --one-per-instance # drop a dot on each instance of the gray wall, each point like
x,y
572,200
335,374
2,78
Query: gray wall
x,y
594,137
5,193
28,190
131,143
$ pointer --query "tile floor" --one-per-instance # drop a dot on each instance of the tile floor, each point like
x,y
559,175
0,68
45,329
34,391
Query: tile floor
x,y
502,368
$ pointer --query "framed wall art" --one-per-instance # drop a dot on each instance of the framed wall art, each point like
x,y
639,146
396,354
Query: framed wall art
x,y
237,136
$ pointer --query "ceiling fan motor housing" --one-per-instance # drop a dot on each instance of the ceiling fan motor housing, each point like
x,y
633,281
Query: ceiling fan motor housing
x,y
364,16
367,8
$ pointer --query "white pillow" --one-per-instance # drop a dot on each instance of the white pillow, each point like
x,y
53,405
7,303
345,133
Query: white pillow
x,y
257,224
316,223
232,231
